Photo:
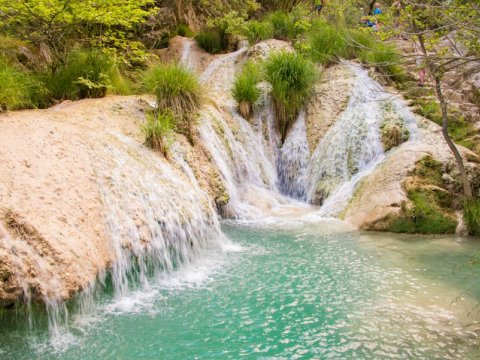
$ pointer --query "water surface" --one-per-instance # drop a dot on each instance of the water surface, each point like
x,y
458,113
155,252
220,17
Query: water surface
x,y
302,292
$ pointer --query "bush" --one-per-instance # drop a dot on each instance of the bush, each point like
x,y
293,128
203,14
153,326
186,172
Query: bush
x,y
87,74
178,90
20,89
385,58
184,30
328,43
292,79
471,216
158,129
283,25
213,41
257,31
245,90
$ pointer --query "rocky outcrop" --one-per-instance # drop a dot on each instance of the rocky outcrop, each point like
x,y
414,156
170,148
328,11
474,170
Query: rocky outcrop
x,y
62,172
383,196
331,96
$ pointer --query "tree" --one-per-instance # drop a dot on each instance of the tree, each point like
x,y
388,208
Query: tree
x,y
447,34
56,25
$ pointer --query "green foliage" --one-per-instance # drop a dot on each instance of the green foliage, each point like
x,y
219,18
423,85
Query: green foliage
x,y
245,90
283,25
59,24
328,43
19,89
292,78
178,90
212,40
430,211
385,58
184,30
257,31
424,218
471,216
158,131
86,74
461,131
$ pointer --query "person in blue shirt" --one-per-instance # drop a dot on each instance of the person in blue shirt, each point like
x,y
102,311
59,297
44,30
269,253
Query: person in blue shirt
x,y
378,10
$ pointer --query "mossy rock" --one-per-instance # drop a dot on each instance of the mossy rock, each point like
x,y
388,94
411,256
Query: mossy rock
x,y
429,210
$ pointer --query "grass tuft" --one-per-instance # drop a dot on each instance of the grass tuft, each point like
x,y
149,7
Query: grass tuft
x,y
257,31
292,78
20,89
212,40
158,130
245,90
178,90
471,216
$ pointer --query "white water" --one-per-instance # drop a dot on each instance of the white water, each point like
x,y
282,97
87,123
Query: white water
x,y
352,148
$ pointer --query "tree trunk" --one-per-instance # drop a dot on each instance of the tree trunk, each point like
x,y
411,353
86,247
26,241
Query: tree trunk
x,y
467,189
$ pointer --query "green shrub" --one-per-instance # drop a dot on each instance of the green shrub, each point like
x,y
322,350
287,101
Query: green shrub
x,y
328,43
158,130
471,216
385,58
20,89
213,41
245,90
184,30
283,25
87,74
178,90
292,78
257,31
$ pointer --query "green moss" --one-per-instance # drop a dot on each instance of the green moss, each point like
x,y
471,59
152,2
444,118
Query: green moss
x,y
426,216
429,211
184,30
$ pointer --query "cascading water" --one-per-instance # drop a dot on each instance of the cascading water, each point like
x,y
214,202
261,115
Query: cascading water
x,y
352,148
156,219
293,160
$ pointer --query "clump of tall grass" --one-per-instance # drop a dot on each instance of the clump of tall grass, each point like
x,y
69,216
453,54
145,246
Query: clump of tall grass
x,y
256,31
292,78
283,25
177,89
20,89
158,130
328,43
212,40
245,90
385,58
87,74
471,216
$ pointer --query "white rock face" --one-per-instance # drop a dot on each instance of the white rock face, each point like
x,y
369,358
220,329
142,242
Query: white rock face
x,y
381,194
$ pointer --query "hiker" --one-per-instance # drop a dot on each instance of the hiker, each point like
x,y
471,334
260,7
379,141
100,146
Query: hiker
x,y
319,5
378,10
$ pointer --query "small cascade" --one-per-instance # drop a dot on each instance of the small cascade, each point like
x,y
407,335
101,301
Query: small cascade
x,y
293,161
156,219
185,59
220,73
352,148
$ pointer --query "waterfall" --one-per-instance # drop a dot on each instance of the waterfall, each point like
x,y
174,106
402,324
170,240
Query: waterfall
x,y
185,59
352,148
293,161
155,218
